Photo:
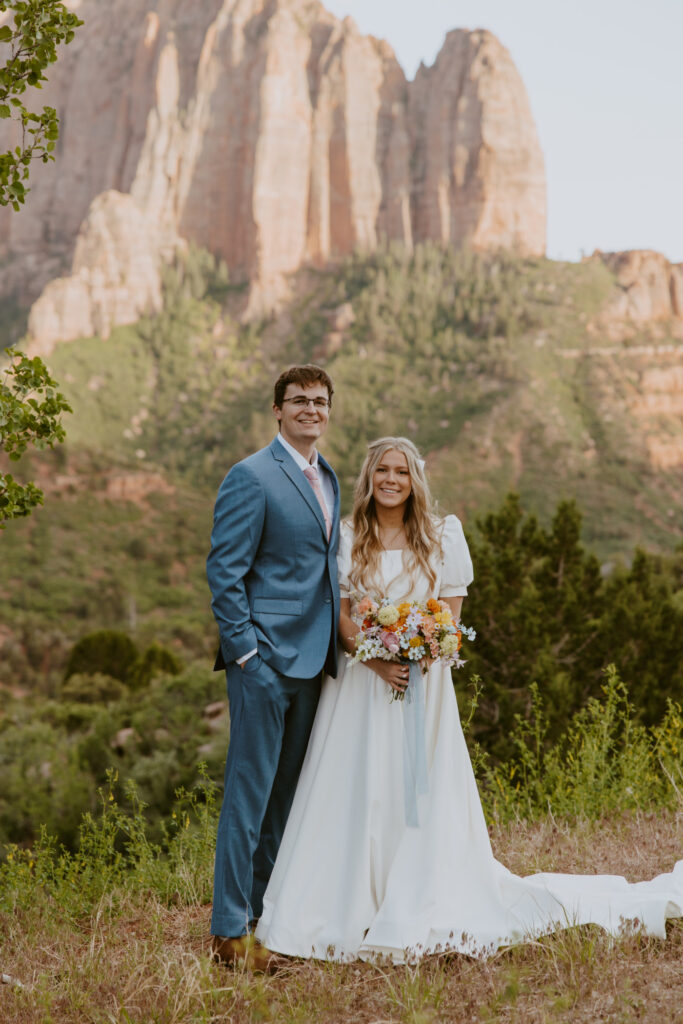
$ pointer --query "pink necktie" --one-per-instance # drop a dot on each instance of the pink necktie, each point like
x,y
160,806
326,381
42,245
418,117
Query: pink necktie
x,y
311,475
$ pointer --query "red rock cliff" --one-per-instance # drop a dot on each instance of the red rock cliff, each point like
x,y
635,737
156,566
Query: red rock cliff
x,y
269,132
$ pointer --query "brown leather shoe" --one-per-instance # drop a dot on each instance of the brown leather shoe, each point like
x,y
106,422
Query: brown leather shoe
x,y
247,952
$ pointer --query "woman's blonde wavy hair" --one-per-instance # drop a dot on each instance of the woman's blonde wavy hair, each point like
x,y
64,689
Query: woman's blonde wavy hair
x,y
421,523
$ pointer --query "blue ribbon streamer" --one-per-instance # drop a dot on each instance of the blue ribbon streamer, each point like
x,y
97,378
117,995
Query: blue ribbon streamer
x,y
415,780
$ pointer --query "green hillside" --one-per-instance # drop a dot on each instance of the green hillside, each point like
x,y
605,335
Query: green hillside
x,y
487,362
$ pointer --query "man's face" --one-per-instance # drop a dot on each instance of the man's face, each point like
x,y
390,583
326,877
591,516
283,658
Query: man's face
x,y
302,421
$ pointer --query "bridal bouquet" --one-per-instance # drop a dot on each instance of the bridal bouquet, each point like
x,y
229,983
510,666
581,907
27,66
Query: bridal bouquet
x,y
409,632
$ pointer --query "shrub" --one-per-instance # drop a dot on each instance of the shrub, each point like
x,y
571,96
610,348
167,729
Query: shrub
x,y
605,762
155,661
107,651
544,611
115,854
97,688
41,782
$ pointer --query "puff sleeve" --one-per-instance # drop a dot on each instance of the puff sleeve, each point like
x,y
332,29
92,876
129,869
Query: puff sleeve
x,y
456,568
344,558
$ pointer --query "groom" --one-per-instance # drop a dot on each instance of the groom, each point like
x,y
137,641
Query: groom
x,y
272,571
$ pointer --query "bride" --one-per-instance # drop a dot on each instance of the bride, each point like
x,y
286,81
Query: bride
x,y
371,864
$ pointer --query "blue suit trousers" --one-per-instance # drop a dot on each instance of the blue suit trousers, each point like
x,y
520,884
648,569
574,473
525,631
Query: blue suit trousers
x,y
270,722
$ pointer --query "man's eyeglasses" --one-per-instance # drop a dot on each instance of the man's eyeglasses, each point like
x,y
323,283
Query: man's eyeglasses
x,y
302,403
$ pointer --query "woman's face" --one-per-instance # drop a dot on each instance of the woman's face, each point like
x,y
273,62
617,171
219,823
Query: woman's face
x,y
391,480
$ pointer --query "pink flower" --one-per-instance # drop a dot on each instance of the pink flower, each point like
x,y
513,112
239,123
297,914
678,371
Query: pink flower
x,y
366,605
390,641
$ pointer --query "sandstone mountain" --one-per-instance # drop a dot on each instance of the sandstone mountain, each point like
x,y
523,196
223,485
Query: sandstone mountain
x,y
274,135
651,288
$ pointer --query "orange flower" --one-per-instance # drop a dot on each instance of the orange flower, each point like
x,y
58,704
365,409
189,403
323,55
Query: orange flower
x,y
433,605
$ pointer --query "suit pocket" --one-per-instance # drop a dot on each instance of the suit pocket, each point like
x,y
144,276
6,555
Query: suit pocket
x,y
276,606
252,664
257,671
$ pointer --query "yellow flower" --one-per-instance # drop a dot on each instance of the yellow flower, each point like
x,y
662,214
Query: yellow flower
x,y
388,615
404,609
415,641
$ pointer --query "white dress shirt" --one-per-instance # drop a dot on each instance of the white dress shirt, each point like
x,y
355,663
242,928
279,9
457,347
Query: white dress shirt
x,y
325,485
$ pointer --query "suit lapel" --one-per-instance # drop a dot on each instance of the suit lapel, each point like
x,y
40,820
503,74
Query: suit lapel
x,y
289,466
335,486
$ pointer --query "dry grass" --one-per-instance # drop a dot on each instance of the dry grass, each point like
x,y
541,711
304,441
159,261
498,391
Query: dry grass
x,y
146,962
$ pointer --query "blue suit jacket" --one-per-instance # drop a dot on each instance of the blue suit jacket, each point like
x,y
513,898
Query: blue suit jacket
x,y
271,570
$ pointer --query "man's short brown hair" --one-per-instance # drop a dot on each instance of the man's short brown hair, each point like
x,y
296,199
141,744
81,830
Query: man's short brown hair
x,y
306,376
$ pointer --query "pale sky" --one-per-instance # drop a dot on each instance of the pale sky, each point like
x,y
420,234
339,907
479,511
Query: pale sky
x,y
605,80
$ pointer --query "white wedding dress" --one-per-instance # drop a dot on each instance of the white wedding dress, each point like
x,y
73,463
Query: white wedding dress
x,y
352,879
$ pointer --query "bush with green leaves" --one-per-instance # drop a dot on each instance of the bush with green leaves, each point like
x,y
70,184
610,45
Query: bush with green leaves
x,y
114,854
108,651
54,754
31,408
42,782
156,660
92,688
546,614
112,653
606,761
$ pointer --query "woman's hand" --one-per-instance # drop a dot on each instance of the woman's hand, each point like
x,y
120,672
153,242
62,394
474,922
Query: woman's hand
x,y
394,673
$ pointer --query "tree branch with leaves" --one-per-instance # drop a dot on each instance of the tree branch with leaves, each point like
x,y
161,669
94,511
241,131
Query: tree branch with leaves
x,y
30,404
30,37
31,408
